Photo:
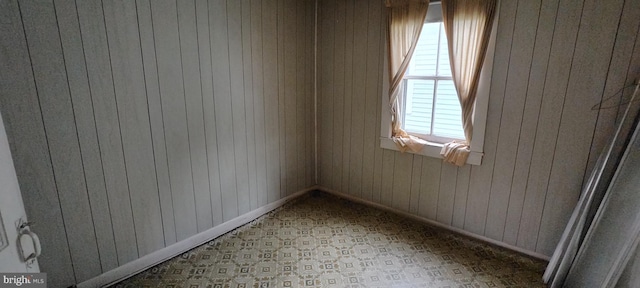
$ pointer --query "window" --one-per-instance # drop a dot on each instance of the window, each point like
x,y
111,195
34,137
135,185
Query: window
x,y
431,106
430,102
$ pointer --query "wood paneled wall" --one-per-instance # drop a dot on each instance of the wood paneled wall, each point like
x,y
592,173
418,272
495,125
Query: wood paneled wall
x,y
136,124
554,60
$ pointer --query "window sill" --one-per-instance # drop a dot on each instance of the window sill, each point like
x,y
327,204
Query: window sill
x,y
431,150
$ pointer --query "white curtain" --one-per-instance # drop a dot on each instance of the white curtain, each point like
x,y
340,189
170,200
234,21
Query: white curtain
x,y
405,21
468,25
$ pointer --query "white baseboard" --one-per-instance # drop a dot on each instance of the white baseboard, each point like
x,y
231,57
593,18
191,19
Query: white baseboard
x,y
127,270
436,224
136,266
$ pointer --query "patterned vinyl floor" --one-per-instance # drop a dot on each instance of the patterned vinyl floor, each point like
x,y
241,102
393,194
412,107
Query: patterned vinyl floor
x,y
324,241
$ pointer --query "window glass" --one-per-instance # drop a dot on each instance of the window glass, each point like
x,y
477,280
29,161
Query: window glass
x,y
431,103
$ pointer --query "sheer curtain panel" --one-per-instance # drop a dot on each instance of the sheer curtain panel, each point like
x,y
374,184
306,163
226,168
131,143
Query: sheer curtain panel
x,y
468,25
405,21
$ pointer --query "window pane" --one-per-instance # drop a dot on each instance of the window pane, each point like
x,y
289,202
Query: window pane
x,y
420,97
448,115
424,60
444,68
430,62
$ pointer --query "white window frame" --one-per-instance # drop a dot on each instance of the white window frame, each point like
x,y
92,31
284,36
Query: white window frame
x,y
432,149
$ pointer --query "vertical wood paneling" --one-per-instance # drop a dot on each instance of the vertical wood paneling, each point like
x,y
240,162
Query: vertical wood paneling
x,y
127,70
223,110
377,162
540,136
462,194
480,183
270,76
248,103
97,57
339,95
306,58
388,164
311,101
259,100
131,100
291,145
172,94
592,56
156,119
416,173
371,128
429,187
223,79
348,96
512,112
206,80
446,193
234,13
195,114
539,63
87,134
21,112
633,73
282,144
302,95
49,72
620,63
325,97
560,60
402,181
51,82
360,26
141,123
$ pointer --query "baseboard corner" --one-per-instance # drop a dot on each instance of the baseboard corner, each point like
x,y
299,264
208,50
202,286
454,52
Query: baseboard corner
x,y
136,266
